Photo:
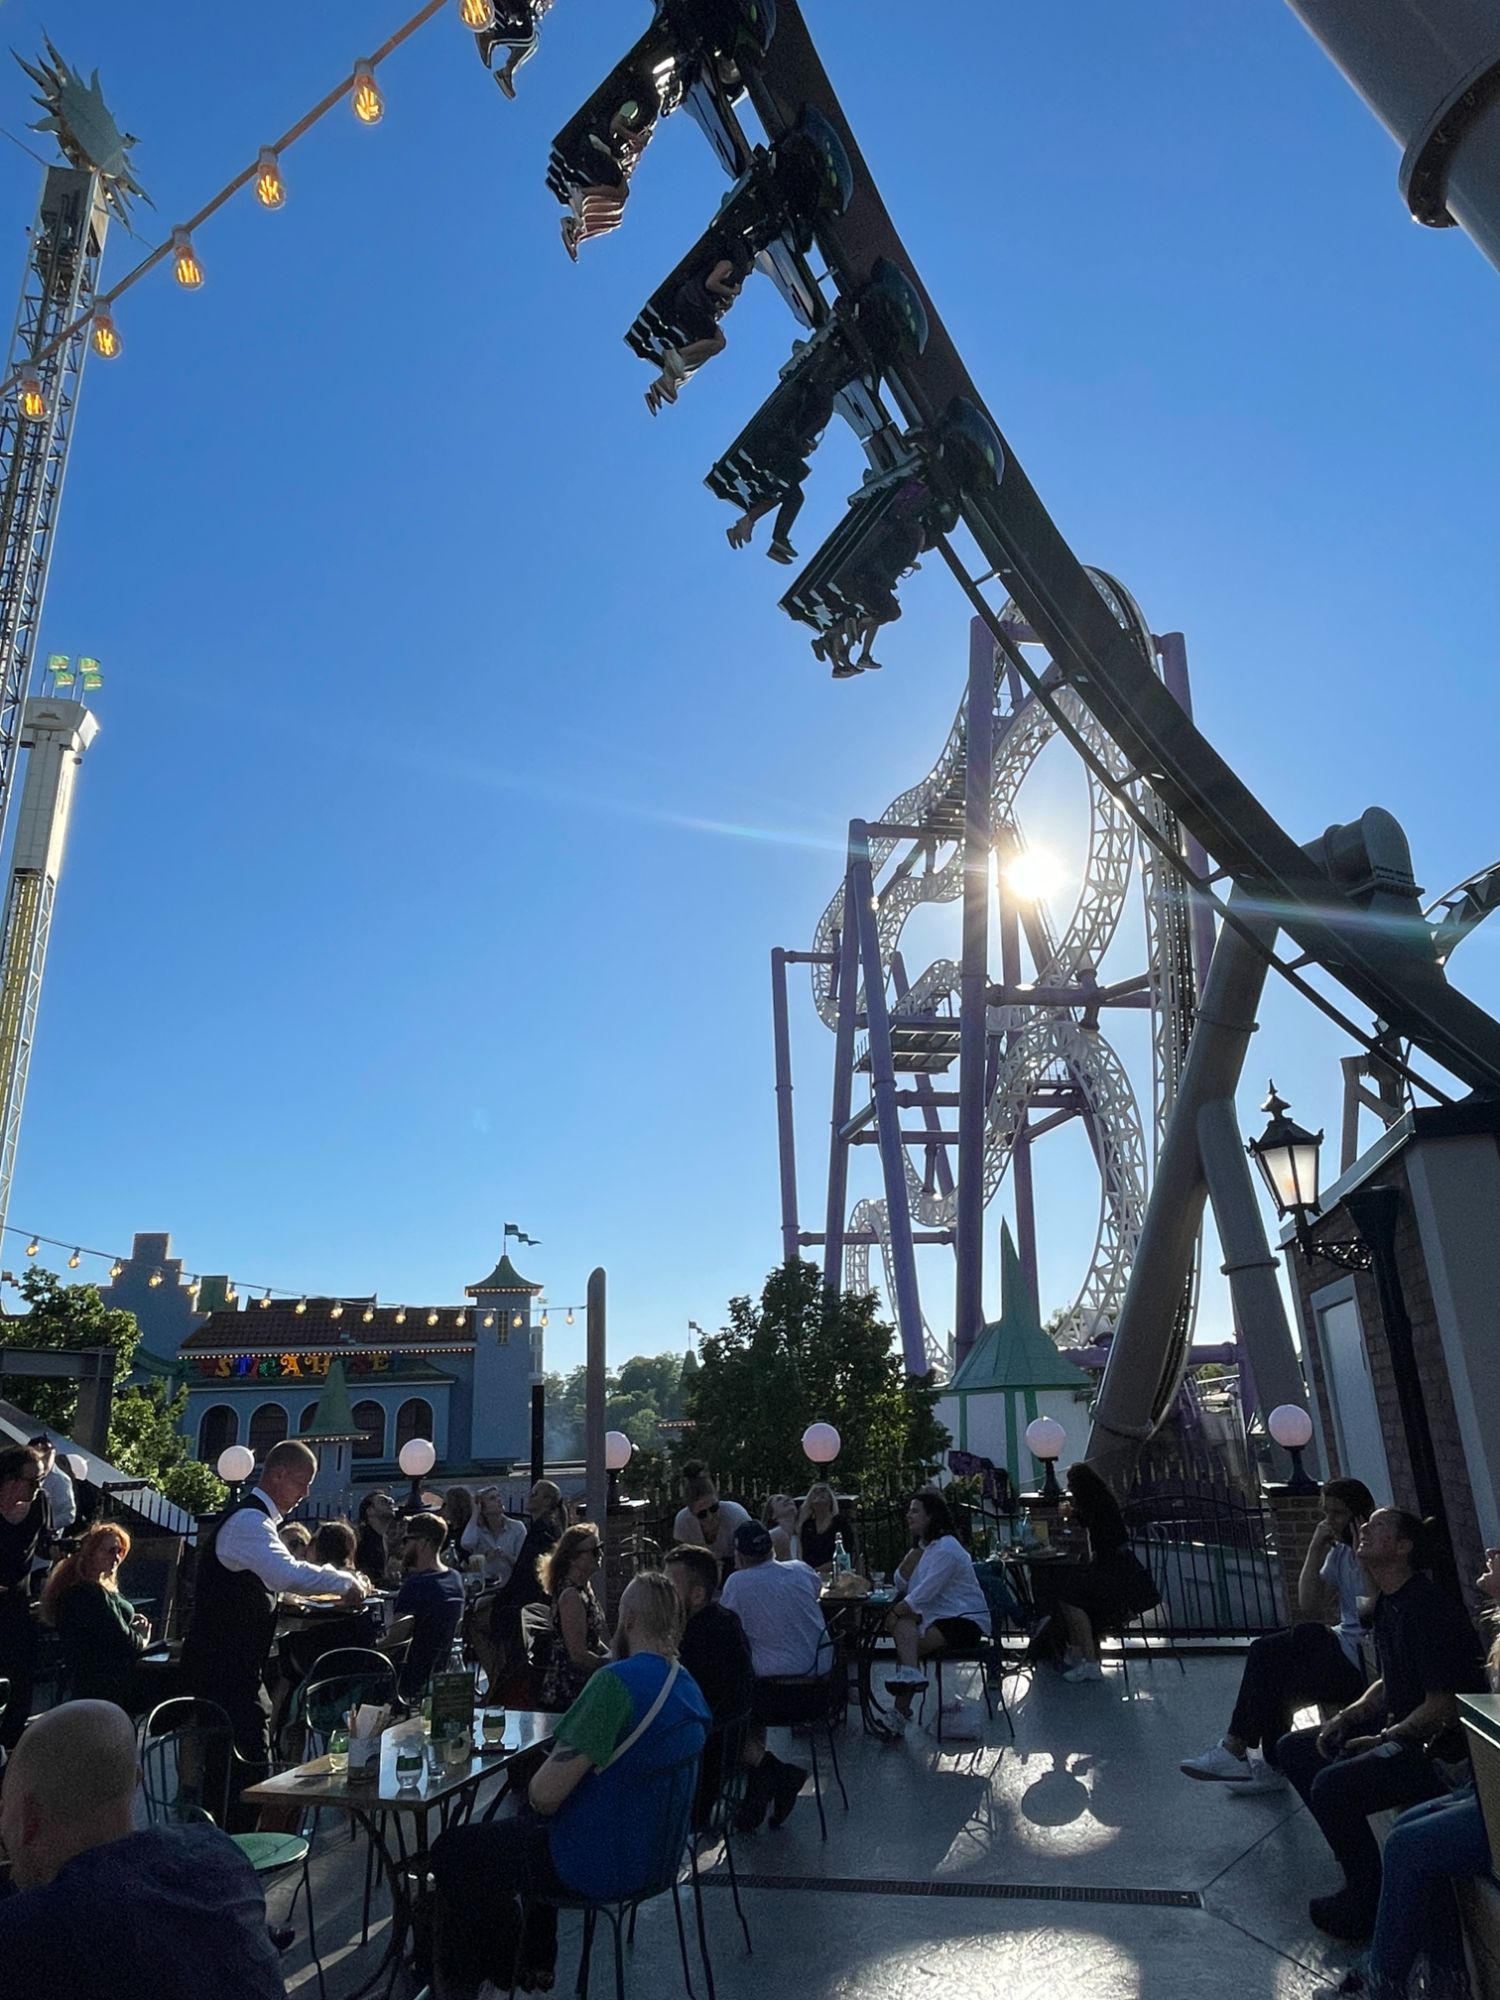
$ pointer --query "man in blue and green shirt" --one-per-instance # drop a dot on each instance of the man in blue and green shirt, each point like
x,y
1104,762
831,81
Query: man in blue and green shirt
x,y
605,1816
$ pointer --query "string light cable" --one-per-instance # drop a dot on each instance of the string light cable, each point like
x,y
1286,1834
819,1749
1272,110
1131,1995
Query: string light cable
x,y
362,90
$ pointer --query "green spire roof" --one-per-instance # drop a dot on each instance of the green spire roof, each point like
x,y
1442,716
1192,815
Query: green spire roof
x,y
333,1420
504,1278
1013,1352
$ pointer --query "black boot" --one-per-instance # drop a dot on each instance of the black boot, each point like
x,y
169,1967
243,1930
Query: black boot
x,y
753,1807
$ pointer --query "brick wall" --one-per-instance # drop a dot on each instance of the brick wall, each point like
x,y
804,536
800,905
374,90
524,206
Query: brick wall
x,y
1294,1515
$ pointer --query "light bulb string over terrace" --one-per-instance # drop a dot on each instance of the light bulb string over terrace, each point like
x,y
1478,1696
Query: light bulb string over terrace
x,y
360,73
361,1306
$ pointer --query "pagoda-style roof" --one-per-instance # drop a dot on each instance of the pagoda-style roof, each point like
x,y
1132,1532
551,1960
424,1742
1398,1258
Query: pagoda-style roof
x,y
323,1324
504,1278
1013,1353
333,1420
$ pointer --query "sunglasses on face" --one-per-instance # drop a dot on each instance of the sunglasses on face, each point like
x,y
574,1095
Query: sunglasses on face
x,y
702,1513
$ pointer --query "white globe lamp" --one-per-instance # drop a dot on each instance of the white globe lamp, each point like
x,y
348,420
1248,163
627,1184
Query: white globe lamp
x,y
820,1443
416,1458
235,1464
617,1451
1291,1427
1045,1438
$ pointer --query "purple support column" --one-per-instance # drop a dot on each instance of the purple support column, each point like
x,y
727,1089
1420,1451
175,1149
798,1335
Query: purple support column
x,y
859,900
973,1006
785,1138
1172,648
843,1083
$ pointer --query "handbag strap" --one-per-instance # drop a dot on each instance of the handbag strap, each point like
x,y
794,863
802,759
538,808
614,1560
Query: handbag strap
x,y
647,1719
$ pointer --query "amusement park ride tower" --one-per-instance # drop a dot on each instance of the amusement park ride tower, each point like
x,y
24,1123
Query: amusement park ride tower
x,y
47,351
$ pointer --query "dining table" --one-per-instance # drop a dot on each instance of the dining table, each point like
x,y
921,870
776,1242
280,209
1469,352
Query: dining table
x,y
858,1625
402,1818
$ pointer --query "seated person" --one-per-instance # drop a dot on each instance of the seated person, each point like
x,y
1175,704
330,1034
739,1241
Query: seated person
x,y
597,1813
520,52
101,1634
698,305
325,1630
578,1629
820,1524
1385,1748
1426,1850
103,1908
494,1535
779,1515
1078,1601
296,1539
375,1522
809,413
597,206
704,1517
941,1603
1307,1665
428,1605
778,1605
715,1652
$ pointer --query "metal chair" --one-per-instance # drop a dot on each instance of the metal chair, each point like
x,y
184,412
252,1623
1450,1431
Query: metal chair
x,y
713,1819
673,1787
815,1701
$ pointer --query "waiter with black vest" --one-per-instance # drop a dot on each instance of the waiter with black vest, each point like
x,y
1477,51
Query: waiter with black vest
x,y
243,1568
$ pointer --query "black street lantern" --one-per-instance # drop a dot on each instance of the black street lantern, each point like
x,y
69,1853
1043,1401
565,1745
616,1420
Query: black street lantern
x,y
1287,1155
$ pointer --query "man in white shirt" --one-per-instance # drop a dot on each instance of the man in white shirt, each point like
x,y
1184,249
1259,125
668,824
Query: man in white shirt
x,y
243,1567
778,1605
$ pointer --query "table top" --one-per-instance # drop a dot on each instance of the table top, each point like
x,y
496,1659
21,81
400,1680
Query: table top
x,y
318,1784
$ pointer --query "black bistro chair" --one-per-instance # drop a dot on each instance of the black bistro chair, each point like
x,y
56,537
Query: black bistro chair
x,y
814,1702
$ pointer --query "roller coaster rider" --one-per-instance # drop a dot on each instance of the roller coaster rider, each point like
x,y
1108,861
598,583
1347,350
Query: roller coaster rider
x,y
697,306
785,467
598,206
916,519
516,25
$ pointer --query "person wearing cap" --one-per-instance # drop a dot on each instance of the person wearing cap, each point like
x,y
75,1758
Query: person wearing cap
x,y
57,1484
777,1604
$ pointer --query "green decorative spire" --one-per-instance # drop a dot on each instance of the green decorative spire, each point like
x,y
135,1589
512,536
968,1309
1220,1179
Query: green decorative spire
x,y
333,1420
504,1278
1014,1352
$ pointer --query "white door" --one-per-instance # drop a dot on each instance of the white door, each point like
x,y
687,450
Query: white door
x,y
1356,1415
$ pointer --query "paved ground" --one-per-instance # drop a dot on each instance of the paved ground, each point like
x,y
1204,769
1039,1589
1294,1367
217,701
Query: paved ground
x,y
989,1869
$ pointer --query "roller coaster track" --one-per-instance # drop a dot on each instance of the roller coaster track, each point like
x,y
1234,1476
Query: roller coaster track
x,y
1031,564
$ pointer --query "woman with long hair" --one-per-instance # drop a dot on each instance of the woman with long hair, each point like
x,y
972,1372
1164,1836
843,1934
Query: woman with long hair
x,y
1101,1594
820,1524
779,1515
1305,1665
578,1632
941,1606
101,1633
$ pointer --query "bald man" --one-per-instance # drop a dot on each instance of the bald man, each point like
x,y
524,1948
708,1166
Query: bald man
x,y
107,1913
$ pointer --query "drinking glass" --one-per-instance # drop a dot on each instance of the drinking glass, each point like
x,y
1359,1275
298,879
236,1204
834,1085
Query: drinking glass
x,y
408,1762
338,1750
427,1715
492,1728
458,1745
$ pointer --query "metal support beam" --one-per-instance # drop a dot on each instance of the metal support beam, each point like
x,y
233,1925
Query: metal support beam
x,y
843,1085
595,1476
979,763
786,1143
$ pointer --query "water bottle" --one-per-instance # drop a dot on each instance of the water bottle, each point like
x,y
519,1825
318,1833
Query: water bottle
x,y
841,1560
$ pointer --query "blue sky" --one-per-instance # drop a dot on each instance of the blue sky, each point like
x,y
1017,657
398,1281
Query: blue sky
x,y
455,779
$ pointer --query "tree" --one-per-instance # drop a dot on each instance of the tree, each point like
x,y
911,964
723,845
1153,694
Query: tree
x,y
67,1318
805,1353
637,1397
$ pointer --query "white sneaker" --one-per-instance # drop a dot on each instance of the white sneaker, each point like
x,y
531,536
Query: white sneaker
x,y
952,1704
906,1677
1086,1670
1263,1778
1218,1763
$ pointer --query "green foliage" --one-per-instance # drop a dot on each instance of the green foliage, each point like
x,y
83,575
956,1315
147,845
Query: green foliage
x,y
801,1355
195,1487
144,1439
66,1318
637,1397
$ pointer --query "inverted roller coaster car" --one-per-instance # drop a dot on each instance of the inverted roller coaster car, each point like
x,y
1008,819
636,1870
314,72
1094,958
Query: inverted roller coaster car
x,y
689,42
885,322
784,192
892,519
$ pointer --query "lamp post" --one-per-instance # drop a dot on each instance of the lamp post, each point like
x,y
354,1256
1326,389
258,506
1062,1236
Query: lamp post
x,y
1045,1438
1291,1427
417,1457
235,1465
1287,1156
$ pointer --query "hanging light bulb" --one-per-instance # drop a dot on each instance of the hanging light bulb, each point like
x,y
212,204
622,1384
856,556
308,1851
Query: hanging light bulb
x,y
544,1315
458,1319
369,105
401,1315
265,1299
230,1295
104,335
31,397
32,1247
369,1312
337,1311
570,1315
185,266
75,1260
489,1319
432,1319
116,1268
301,1305
192,1290
477,14
154,1280
270,187
516,1320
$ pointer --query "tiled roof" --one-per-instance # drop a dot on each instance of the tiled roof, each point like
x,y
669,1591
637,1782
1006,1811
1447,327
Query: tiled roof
x,y
504,1278
280,1328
